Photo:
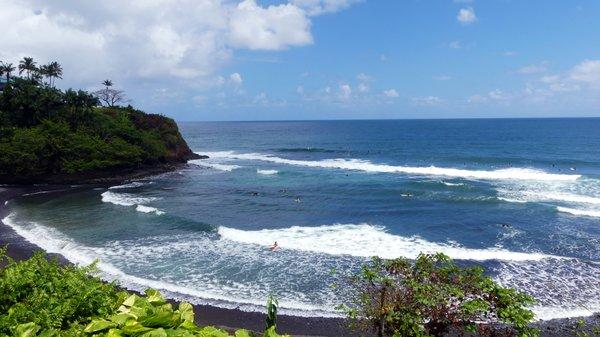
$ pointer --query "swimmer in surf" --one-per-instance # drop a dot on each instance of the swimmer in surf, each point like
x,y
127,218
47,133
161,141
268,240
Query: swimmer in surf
x,y
274,247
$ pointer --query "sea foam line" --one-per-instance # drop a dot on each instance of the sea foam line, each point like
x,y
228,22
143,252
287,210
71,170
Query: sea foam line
x,y
126,199
367,166
216,166
267,172
579,212
364,240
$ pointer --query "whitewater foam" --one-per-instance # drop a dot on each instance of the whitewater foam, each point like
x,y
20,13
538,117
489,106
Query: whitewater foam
x,y
367,166
124,199
365,240
213,165
53,241
133,184
267,172
579,212
452,184
148,209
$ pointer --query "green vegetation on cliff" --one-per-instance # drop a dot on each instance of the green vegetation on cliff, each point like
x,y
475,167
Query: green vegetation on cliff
x,y
47,134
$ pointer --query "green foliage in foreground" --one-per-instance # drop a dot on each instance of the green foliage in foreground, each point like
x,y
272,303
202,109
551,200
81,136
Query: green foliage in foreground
x,y
52,296
433,296
41,298
45,131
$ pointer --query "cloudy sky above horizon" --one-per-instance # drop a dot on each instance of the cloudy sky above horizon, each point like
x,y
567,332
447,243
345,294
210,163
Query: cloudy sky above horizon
x,y
321,59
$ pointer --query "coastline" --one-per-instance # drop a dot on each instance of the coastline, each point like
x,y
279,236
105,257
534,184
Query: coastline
x,y
20,249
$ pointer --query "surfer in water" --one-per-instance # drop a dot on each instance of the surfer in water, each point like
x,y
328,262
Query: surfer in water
x,y
274,247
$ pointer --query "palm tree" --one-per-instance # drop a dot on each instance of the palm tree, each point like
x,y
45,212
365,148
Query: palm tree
x,y
51,70
7,69
107,83
55,71
28,66
45,71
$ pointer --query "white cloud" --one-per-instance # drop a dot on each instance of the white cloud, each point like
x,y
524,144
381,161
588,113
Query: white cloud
x,y
509,53
300,90
392,93
427,100
142,41
364,77
454,45
383,57
587,71
272,28
466,16
318,7
345,92
363,88
236,79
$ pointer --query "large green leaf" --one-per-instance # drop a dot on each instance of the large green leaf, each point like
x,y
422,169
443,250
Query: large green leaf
x,y
186,311
242,333
154,296
160,332
99,325
26,330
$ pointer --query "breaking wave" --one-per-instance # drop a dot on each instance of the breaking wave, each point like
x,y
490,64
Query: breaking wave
x,y
267,172
368,166
365,240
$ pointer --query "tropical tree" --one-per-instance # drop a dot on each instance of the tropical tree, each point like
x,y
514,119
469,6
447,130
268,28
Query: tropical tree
x,y
28,66
110,97
51,71
6,69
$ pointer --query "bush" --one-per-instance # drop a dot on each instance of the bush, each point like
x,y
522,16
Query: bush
x,y
432,296
40,297
50,296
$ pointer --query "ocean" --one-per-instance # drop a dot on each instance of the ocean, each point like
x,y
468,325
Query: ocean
x,y
519,196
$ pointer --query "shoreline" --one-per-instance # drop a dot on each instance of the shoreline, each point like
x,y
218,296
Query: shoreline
x,y
19,249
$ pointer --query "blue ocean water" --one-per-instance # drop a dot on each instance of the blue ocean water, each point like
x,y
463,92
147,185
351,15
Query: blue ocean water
x,y
519,196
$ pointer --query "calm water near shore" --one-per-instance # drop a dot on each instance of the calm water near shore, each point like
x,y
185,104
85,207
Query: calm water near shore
x,y
521,197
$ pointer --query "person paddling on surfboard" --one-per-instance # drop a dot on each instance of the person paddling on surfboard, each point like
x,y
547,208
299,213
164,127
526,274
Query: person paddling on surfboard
x,y
274,247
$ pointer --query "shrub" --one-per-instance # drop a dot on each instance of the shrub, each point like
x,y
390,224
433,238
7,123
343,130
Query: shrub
x,y
41,298
430,296
50,296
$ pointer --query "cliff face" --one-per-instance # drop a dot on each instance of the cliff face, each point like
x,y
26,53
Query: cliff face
x,y
177,150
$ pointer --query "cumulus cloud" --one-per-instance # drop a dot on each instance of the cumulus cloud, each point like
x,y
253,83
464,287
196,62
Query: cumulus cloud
x,y
392,93
587,71
345,92
151,41
236,78
466,16
272,28
318,7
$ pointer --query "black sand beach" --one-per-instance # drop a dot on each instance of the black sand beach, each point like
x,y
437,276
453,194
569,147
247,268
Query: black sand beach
x,y
19,249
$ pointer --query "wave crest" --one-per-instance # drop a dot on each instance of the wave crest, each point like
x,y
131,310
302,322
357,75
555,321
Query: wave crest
x,y
368,166
365,240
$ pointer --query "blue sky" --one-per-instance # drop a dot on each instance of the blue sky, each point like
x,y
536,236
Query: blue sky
x,y
326,59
